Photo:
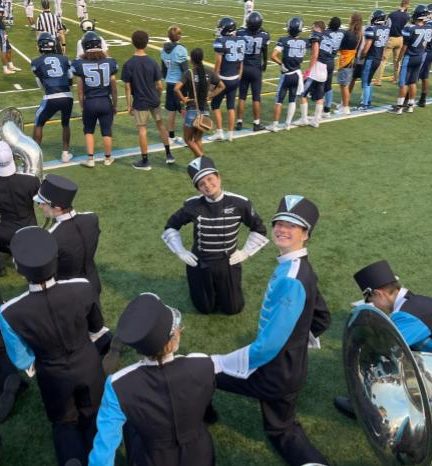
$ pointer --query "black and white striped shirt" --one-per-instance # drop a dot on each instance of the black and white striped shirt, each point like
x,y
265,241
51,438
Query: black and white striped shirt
x,y
48,22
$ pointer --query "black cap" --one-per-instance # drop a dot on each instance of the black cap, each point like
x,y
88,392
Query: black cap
x,y
374,276
56,191
299,210
35,253
200,167
147,324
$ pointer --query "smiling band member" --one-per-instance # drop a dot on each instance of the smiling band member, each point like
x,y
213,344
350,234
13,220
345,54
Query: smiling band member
x,y
213,267
273,367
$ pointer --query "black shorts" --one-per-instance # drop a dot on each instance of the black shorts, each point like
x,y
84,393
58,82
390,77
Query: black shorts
x,y
229,92
49,107
313,88
426,65
252,76
287,83
98,109
172,103
409,70
357,72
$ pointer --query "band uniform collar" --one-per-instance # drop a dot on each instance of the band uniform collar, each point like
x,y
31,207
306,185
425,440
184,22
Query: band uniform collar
x,y
34,287
400,299
66,216
289,256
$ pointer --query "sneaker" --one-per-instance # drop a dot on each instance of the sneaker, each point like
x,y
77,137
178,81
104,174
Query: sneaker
x,y
11,387
216,137
421,103
397,110
230,136
142,165
258,127
14,68
239,126
109,161
169,159
326,115
8,71
301,122
273,128
409,109
287,126
314,123
363,108
177,140
66,156
89,163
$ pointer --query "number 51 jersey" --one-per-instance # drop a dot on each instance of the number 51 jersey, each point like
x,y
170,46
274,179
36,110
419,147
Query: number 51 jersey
x,y
96,75
54,73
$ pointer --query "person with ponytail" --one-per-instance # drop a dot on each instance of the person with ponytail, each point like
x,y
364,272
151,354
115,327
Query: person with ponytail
x,y
207,85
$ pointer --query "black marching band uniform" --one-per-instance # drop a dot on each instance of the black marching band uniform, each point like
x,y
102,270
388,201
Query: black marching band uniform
x,y
161,403
16,211
77,236
214,281
49,326
273,368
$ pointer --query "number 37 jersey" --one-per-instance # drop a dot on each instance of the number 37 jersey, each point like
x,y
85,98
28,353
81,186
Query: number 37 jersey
x,y
96,75
53,71
292,50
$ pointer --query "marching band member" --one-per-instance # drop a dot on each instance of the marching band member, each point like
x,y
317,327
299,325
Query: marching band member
x,y
273,367
160,400
48,326
213,267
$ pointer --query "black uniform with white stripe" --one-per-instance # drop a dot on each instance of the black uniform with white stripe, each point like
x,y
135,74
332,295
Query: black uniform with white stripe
x,y
214,284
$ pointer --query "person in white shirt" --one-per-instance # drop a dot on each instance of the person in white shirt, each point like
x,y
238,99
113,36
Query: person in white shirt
x,y
248,8
89,25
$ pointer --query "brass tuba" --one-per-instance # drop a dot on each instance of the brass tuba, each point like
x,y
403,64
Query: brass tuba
x,y
27,153
390,387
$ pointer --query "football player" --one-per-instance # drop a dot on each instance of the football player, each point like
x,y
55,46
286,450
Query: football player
x,y
376,37
5,48
415,38
54,77
29,12
288,54
316,76
81,9
8,13
97,93
427,60
230,52
248,8
255,62
336,34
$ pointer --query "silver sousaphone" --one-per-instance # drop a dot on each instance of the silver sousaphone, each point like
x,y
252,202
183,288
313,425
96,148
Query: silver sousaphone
x,y
27,153
390,387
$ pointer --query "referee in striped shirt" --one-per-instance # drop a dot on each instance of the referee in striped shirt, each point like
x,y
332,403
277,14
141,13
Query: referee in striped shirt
x,y
48,22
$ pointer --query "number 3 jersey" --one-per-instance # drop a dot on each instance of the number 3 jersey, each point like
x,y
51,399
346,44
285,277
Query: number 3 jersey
x,y
54,73
232,50
96,75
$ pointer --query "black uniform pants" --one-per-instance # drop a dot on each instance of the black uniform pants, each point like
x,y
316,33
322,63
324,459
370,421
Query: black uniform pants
x,y
6,366
215,285
284,432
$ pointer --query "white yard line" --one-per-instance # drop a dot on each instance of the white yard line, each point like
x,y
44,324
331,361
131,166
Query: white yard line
x,y
23,55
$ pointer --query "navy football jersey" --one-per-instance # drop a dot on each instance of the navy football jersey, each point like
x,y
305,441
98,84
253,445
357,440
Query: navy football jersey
x,y
327,47
255,42
54,72
379,34
428,26
416,37
336,37
292,50
96,75
232,50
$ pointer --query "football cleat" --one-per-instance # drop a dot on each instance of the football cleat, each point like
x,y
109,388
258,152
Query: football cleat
x,y
66,156
258,127
142,165
397,110
314,123
274,128
169,159
239,126
216,137
301,122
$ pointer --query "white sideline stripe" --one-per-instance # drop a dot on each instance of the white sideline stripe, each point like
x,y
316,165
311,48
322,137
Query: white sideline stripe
x,y
121,153
26,58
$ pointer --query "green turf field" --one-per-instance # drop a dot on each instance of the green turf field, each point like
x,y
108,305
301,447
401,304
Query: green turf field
x,y
369,176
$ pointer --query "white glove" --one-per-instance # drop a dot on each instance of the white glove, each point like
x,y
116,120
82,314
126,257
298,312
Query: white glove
x,y
172,239
239,255
188,257
283,68
217,364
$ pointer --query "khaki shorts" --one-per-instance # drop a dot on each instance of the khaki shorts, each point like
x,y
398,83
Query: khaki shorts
x,y
141,116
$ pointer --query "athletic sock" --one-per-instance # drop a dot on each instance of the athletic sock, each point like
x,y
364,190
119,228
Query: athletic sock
x,y
172,134
167,149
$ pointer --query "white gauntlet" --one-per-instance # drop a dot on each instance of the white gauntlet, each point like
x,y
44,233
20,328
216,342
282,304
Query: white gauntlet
x,y
171,237
254,243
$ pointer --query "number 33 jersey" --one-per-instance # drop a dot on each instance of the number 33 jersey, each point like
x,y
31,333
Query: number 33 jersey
x,y
54,73
232,50
96,75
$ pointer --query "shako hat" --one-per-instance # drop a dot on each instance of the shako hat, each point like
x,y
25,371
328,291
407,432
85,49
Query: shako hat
x,y
35,253
7,164
57,191
147,324
298,210
200,167
374,276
